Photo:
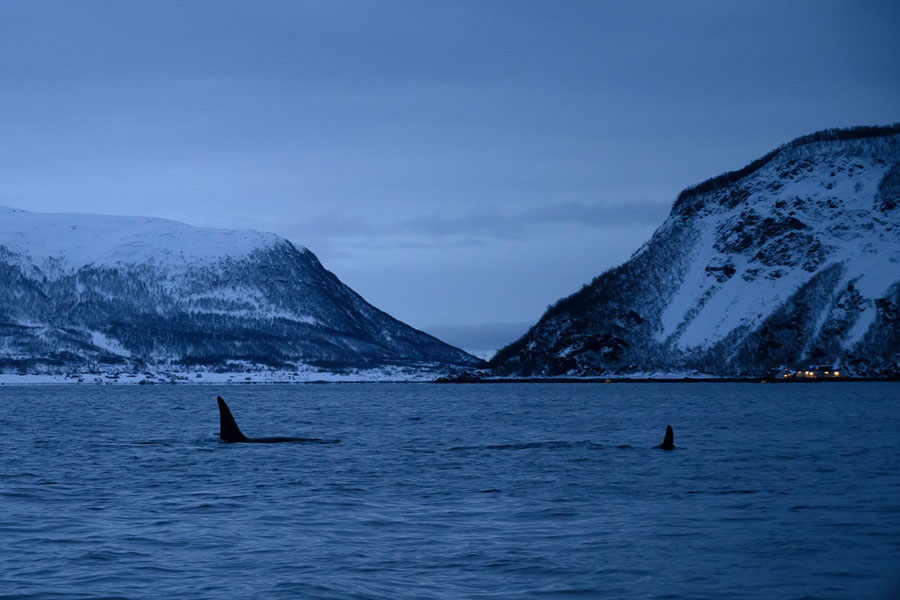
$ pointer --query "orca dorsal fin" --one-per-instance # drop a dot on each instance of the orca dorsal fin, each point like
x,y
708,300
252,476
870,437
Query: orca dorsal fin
x,y
669,440
228,429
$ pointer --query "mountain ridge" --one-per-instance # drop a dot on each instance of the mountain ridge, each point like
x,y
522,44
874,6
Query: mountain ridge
x,y
811,231
89,292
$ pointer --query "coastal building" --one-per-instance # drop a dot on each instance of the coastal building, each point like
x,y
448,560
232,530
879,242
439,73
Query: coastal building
x,y
818,372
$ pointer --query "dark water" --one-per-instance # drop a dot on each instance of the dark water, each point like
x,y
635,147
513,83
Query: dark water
x,y
507,491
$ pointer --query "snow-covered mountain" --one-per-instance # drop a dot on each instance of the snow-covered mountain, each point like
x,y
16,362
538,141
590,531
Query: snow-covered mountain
x,y
792,260
91,292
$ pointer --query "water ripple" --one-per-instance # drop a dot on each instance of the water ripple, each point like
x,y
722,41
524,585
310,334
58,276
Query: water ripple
x,y
444,492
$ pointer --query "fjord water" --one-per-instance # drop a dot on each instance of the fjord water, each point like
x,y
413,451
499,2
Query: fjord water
x,y
451,491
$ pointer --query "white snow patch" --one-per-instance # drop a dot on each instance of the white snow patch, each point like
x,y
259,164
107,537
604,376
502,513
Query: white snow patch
x,y
693,285
860,327
112,346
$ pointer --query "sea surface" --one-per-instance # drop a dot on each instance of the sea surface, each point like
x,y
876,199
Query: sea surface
x,y
451,491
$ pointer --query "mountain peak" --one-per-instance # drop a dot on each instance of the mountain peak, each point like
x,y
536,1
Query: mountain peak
x,y
69,241
727,179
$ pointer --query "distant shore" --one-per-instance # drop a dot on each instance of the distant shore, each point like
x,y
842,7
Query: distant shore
x,y
670,380
282,378
386,375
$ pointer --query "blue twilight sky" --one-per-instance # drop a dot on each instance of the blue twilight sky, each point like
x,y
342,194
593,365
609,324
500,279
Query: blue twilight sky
x,y
460,164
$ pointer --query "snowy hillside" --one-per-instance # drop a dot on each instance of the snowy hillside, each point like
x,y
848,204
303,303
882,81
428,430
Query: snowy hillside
x,y
793,260
67,242
92,292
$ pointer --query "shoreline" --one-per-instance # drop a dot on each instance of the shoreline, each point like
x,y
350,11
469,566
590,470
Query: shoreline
x,y
206,379
226,378
610,380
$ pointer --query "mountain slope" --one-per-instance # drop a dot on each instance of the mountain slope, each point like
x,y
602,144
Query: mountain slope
x,y
794,259
82,292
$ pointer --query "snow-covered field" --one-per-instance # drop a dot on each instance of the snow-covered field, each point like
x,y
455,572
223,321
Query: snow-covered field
x,y
195,378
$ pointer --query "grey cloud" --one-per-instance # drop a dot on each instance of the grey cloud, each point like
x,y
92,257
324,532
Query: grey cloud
x,y
481,225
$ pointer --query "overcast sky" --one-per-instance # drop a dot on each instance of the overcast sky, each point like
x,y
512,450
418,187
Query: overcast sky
x,y
460,164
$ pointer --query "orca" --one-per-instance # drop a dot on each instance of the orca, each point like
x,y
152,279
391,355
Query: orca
x,y
229,431
669,441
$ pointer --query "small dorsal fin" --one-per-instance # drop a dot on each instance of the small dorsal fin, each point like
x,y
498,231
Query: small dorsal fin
x,y
228,429
669,440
